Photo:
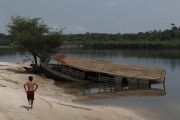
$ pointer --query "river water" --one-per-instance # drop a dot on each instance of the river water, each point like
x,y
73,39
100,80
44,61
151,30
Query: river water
x,y
166,107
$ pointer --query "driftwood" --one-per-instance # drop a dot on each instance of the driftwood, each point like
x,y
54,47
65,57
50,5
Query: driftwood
x,y
73,106
33,69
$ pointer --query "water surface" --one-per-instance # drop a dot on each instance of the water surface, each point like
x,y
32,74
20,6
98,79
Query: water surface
x,y
158,108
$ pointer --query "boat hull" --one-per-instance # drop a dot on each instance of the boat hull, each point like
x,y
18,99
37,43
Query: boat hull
x,y
50,72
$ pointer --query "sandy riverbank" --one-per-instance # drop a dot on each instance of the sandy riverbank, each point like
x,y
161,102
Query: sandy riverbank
x,y
50,101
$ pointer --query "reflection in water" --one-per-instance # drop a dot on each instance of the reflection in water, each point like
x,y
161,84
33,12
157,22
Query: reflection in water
x,y
113,89
10,55
7,51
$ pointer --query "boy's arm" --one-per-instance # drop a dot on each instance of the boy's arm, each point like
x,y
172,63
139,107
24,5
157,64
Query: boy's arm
x,y
36,86
25,87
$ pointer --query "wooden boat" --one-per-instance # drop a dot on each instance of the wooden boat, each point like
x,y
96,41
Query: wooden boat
x,y
81,69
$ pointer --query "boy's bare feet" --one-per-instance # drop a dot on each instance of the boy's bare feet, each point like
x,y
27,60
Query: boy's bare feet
x,y
29,102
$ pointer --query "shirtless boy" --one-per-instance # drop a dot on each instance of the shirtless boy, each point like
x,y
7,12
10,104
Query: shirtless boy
x,y
30,89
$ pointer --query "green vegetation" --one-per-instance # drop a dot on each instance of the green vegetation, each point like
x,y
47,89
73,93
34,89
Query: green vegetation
x,y
5,40
169,38
34,37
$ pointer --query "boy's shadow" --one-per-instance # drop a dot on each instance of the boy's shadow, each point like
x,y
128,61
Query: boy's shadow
x,y
26,107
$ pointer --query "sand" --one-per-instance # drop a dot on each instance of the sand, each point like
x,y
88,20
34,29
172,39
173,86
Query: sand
x,y
51,103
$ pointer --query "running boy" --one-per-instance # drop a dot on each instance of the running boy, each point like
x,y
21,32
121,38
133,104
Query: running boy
x,y
30,89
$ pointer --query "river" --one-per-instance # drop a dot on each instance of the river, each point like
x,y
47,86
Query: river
x,y
166,107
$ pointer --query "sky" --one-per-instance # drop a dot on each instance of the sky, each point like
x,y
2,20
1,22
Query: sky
x,y
95,16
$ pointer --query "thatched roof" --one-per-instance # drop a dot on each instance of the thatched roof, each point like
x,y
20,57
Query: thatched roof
x,y
124,70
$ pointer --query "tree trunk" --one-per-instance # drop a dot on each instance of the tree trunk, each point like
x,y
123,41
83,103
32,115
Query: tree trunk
x,y
35,60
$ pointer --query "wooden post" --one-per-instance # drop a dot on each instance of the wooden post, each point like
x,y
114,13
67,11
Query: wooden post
x,y
138,82
98,81
164,84
84,74
62,67
149,84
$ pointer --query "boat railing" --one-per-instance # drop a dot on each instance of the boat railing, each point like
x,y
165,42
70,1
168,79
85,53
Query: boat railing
x,y
106,79
72,72
77,73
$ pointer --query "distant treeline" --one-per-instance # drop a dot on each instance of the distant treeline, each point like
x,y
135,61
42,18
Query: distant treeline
x,y
5,40
169,38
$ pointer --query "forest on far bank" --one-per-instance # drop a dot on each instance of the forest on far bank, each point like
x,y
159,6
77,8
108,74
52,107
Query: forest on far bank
x,y
169,38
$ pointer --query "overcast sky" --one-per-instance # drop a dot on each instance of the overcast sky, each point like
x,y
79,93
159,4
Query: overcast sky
x,y
98,16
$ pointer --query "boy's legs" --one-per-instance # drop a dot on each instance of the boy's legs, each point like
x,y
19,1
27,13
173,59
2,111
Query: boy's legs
x,y
31,104
30,97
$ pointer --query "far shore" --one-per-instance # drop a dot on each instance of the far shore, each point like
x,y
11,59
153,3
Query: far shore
x,y
51,102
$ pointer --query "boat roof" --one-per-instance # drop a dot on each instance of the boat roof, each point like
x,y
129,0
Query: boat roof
x,y
116,69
